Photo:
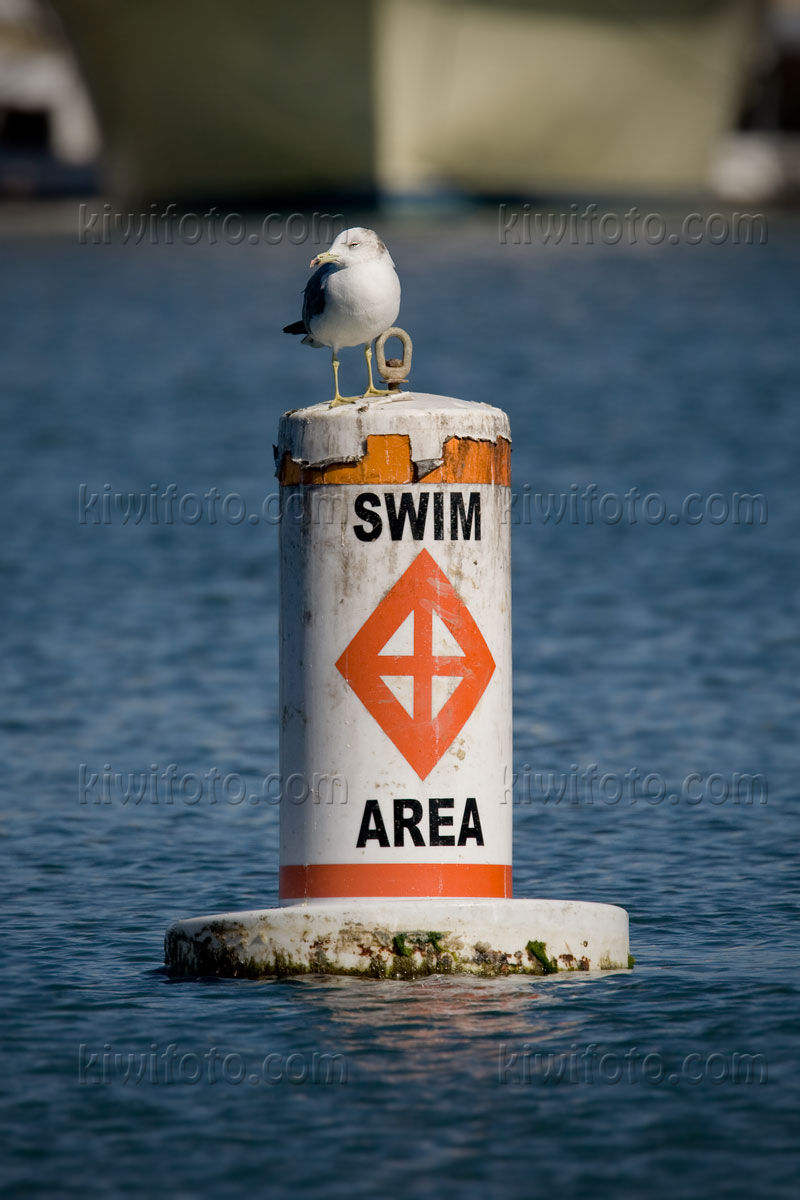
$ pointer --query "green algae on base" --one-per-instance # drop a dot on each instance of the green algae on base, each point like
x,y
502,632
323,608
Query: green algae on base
x,y
538,952
232,949
607,964
399,946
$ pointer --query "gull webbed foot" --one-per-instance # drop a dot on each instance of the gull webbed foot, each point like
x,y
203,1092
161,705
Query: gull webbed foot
x,y
338,398
371,389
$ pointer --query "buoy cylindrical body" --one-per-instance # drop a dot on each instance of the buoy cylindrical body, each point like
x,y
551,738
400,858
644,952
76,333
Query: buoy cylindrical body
x,y
395,673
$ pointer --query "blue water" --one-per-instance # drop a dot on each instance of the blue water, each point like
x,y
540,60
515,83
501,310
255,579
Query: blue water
x,y
667,650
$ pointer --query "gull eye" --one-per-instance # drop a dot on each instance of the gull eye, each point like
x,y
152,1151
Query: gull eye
x,y
353,245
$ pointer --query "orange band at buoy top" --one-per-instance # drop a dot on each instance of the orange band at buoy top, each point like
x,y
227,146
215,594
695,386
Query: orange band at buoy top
x,y
388,460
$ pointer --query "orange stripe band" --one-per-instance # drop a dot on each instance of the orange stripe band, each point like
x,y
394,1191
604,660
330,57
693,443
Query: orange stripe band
x,y
330,880
388,460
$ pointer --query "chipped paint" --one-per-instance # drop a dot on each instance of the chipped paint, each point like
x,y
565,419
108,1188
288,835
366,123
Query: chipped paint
x,y
319,438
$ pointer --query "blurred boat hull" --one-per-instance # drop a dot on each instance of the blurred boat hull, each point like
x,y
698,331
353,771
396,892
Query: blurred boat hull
x,y
408,96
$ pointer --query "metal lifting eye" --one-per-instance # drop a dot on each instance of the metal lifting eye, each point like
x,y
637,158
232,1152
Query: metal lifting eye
x,y
394,370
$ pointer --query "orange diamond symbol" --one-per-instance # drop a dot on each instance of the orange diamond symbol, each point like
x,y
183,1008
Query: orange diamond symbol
x,y
419,664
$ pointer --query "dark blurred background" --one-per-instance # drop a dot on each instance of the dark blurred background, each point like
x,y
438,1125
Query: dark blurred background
x,y
187,100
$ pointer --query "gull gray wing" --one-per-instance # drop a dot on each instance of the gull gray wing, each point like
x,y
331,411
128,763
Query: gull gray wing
x,y
314,295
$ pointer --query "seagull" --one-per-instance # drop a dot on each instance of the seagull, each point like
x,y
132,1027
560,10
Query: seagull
x,y
352,297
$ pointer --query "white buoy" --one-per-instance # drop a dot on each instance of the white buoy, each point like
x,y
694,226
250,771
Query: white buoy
x,y
395,701
395,651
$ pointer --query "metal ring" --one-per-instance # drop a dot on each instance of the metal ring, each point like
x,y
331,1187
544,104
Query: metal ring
x,y
394,374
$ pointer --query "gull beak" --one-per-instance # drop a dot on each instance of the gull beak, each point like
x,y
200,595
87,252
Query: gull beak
x,y
321,259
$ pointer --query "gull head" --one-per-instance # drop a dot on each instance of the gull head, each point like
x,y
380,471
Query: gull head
x,y
351,247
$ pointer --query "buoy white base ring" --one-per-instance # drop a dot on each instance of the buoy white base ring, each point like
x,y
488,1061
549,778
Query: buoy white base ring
x,y
402,939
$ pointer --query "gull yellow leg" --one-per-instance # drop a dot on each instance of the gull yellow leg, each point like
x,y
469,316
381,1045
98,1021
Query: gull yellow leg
x,y
372,390
338,398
